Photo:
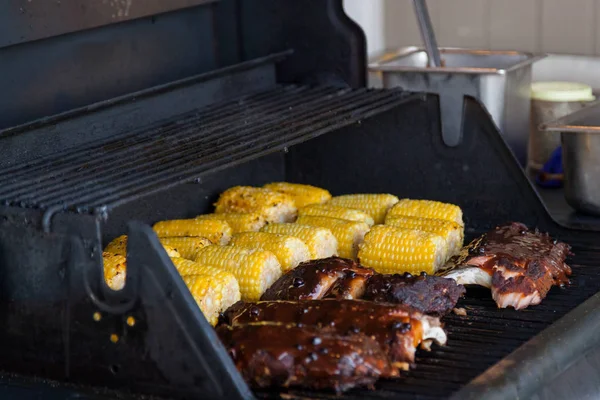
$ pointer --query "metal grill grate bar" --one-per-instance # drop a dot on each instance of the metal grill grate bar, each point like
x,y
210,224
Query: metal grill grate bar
x,y
119,169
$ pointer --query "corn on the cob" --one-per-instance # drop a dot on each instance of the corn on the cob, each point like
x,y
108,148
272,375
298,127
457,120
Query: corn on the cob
x,y
254,269
187,247
239,222
115,268
388,250
349,234
427,209
228,288
332,211
273,206
320,241
376,205
289,250
119,246
218,232
206,295
302,194
452,232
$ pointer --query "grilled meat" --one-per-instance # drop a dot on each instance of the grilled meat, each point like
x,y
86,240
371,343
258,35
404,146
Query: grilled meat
x,y
332,277
520,266
398,329
288,355
341,278
428,294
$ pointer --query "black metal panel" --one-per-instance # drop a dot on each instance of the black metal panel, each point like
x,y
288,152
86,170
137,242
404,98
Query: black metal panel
x,y
26,20
50,76
329,47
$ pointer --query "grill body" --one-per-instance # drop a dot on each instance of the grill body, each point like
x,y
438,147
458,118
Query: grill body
x,y
277,103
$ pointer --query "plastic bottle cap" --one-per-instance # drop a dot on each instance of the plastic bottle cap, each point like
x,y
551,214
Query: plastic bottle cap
x,y
561,91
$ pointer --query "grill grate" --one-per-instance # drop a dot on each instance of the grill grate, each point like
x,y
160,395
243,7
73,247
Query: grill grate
x,y
481,339
104,174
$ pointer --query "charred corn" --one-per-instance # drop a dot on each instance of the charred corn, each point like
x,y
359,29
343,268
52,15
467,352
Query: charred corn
x,y
320,241
452,232
390,250
119,246
187,247
239,222
254,269
332,211
302,194
218,232
427,209
376,205
206,294
273,206
226,285
115,267
289,250
349,234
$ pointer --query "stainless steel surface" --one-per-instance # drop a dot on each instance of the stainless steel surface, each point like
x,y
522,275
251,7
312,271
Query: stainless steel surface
x,y
427,33
499,79
580,137
542,142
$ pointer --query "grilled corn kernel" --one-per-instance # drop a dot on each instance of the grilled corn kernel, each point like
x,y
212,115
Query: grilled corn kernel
x,y
329,210
349,234
187,247
273,206
119,246
302,194
254,269
239,222
218,232
390,250
376,205
115,268
427,209
452,232
206,293
228,288
289,250
320,241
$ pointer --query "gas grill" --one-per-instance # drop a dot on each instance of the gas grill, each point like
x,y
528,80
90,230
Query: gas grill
x,y
120,114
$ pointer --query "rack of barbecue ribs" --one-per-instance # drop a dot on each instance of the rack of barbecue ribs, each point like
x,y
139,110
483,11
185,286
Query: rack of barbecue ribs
x,y
517,264
341,278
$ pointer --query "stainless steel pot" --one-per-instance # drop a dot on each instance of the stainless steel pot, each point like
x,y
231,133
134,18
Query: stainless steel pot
x,y
580,138
499,79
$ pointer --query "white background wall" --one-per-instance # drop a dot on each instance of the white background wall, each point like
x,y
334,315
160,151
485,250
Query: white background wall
x,y
561,26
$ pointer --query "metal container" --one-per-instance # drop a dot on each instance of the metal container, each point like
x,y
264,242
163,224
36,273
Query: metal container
x,y
580,138
499,79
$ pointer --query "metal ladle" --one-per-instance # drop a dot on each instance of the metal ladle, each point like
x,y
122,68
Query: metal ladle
x,y
427,33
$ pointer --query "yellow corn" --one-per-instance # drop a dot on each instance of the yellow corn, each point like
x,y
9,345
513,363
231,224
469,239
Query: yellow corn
x,y
320,241
329,210
302,194
205,293
289,250
273,206
390,250
119,246
226,285
218,232
187,247
376,205
427,209
115,267
254,269
349,234
452,232
239,222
